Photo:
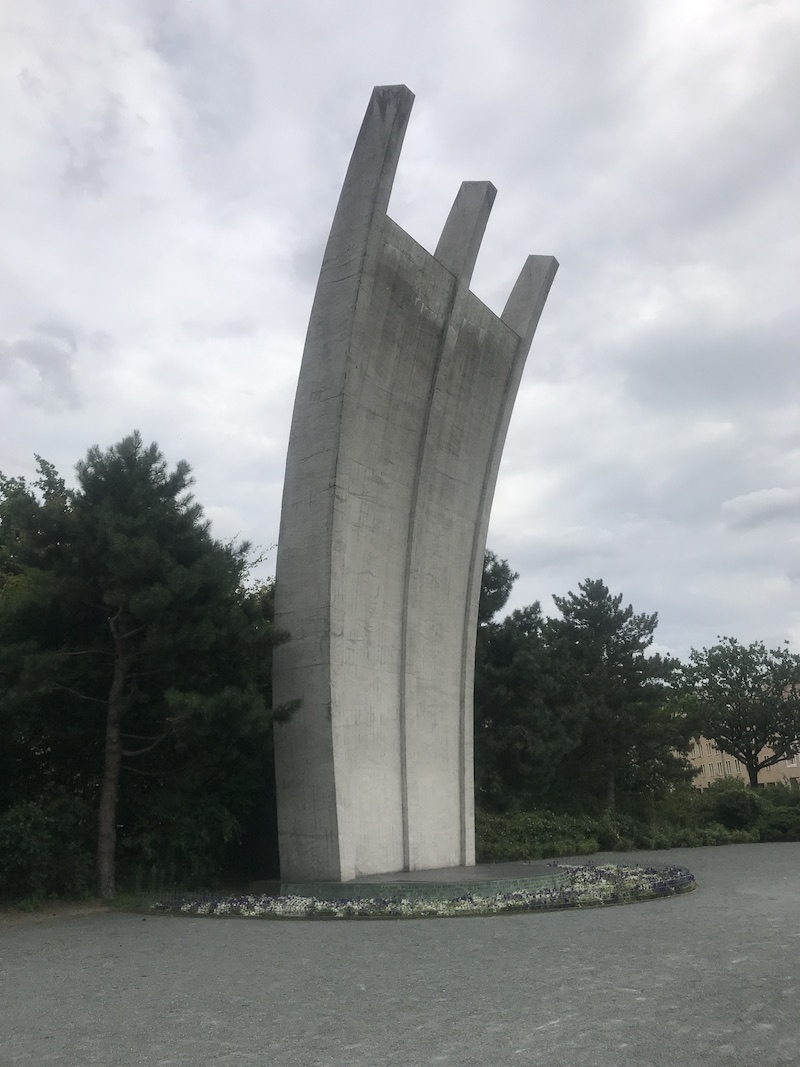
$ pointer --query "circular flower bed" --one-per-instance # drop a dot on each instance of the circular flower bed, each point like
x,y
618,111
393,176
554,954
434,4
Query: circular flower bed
x,y
583,887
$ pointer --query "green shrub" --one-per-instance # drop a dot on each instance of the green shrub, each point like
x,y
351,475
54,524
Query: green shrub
x,y
529,835
744,837
45,849
729,815
780,795
712,834
655,837
662,837
733,805
618,832
607,835
678,807
780,824
174,844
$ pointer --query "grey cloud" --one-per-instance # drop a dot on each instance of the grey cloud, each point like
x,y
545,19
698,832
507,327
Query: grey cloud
x,y
306,260
726,166
761,508
714,368
226,329
30,84
207,63
60,332
612,464
557,49
575,548
42,369
88,153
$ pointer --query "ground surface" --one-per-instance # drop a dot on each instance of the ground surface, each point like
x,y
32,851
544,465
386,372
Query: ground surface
x,y
712,977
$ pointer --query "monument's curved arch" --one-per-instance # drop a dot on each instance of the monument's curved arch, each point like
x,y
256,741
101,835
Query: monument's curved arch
x,y
404,398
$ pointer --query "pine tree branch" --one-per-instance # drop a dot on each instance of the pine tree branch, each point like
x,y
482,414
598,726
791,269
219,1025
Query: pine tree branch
x,y
88,652
75,693
148,748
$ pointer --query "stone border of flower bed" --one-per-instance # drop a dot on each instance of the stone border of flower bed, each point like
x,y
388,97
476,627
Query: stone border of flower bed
x,y
580,887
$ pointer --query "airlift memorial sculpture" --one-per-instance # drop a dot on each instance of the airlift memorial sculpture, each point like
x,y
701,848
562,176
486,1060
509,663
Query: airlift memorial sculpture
x,y
403,403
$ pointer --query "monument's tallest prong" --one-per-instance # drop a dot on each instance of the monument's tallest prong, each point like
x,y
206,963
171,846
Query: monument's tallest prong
x,y
402,407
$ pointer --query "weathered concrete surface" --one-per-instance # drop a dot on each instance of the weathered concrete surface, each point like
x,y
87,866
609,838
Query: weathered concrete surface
x,y
710,979
403,403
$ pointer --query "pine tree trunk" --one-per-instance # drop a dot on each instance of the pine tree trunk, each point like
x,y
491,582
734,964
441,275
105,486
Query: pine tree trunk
x,y
112,764
611,785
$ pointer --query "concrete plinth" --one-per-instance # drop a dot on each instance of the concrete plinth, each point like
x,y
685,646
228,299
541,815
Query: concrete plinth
x,y
403,403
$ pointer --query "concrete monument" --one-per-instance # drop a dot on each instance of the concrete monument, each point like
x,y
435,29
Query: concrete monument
x,y
403,403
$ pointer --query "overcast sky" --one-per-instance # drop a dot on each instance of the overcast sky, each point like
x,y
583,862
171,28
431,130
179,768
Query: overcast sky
x,y
169,176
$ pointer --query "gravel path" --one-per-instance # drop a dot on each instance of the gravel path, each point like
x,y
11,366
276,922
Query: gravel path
x,y
712,977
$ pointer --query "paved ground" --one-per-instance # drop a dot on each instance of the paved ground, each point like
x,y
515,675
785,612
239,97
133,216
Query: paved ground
x,y
710,978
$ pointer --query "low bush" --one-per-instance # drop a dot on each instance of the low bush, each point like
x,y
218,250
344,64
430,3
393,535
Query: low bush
x,y
730,803
546,834
45,849
175,844
712,834
533,835
780,824
677,807
778,795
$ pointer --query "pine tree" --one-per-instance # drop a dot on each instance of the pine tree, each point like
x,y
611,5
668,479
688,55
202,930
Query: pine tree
x,y
620,694
524,723
126,629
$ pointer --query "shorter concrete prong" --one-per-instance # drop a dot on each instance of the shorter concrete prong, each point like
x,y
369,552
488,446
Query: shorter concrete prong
x,y
461,238
524,307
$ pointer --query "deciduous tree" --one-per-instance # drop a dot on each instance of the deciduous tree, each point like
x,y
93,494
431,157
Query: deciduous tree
x,y
746,698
